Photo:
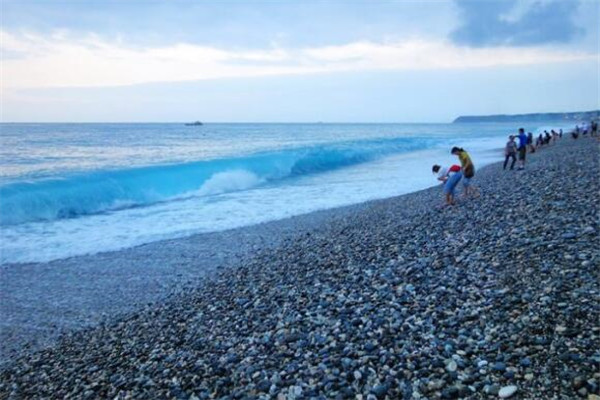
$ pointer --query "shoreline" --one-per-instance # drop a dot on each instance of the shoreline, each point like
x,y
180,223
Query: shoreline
x,y
83,291
402,250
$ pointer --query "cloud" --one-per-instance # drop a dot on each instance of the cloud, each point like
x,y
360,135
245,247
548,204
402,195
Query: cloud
x,y
516,22
59,60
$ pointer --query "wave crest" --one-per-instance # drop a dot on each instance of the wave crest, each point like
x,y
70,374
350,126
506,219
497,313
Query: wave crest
x,y
103,191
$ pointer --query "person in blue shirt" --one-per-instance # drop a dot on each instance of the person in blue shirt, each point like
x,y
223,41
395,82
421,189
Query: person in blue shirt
x,y
522,147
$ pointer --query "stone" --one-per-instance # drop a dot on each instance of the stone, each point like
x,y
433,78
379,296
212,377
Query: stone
x,y
451,366
380,390
507,391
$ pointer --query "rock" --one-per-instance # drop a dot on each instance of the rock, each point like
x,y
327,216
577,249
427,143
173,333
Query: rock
x,y
451,366
507,391
435,384
499,367
380,390
525,362
450,393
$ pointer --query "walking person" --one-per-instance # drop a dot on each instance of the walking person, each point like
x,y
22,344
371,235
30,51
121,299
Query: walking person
x,y
522,148
467,168
449,178
510,151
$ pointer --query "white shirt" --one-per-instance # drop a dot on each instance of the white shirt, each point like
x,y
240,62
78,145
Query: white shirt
x,y
443,172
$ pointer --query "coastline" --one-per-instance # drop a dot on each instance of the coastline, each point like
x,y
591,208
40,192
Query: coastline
x,y
330,273
84,291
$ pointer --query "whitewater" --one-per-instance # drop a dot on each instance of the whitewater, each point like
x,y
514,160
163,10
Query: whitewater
x,y
73,189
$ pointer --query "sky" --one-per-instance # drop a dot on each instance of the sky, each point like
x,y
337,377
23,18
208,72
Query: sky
x,y
292,61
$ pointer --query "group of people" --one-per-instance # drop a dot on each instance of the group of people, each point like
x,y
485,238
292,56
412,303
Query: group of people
x,y
525,145
584,128
451,176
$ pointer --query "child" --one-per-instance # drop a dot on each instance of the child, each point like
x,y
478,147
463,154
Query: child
x,y
449,178
510,151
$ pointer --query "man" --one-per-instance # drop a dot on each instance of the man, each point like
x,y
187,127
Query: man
x,y
522,148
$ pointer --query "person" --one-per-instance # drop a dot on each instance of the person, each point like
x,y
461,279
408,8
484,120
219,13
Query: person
x,y
530,142
594,128
546,137
540,141
449,178
510,151
560,133
522,148
467,169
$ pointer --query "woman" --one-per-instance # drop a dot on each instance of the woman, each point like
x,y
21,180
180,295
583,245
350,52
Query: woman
x,y
510,152
468,169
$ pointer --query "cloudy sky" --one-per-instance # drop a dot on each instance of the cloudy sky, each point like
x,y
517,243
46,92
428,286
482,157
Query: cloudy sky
x,y
286,61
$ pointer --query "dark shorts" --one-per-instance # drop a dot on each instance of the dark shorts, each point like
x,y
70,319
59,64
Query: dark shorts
x,y
522,153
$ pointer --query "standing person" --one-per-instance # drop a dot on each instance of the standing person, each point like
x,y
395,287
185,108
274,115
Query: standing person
x,y
530,142
467,167
449,178
546,137
510,151
522,148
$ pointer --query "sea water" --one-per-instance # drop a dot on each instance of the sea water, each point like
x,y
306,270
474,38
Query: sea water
x,y
72,189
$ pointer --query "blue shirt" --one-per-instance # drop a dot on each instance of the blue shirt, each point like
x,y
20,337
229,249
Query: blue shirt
x,y
522,140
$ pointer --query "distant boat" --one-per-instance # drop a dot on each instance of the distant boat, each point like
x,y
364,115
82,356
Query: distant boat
x,y
197,123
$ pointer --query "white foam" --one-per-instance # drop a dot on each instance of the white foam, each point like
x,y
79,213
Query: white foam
x,y
232,199
229,181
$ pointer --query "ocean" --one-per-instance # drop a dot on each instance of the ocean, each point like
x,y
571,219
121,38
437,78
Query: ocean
x,y
73,189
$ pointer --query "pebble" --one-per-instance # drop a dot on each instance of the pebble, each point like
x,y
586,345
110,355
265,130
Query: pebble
x,y
499,367
380,390
507,391
451,366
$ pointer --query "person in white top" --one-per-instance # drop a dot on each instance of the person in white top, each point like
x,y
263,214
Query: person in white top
x,y
449,178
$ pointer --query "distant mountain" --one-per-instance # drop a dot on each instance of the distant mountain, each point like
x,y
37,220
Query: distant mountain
x,y
566,116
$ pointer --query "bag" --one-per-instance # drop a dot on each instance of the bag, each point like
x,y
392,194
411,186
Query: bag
x,y
454,168
469,171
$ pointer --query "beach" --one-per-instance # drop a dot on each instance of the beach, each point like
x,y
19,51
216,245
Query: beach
x,y
497,296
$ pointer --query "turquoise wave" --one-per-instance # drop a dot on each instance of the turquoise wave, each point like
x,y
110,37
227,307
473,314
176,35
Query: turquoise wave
x,y
102,191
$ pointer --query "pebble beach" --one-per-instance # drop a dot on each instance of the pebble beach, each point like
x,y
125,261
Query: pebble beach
x,y
495,297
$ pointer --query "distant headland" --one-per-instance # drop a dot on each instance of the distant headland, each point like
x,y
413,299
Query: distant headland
x,y
564,116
